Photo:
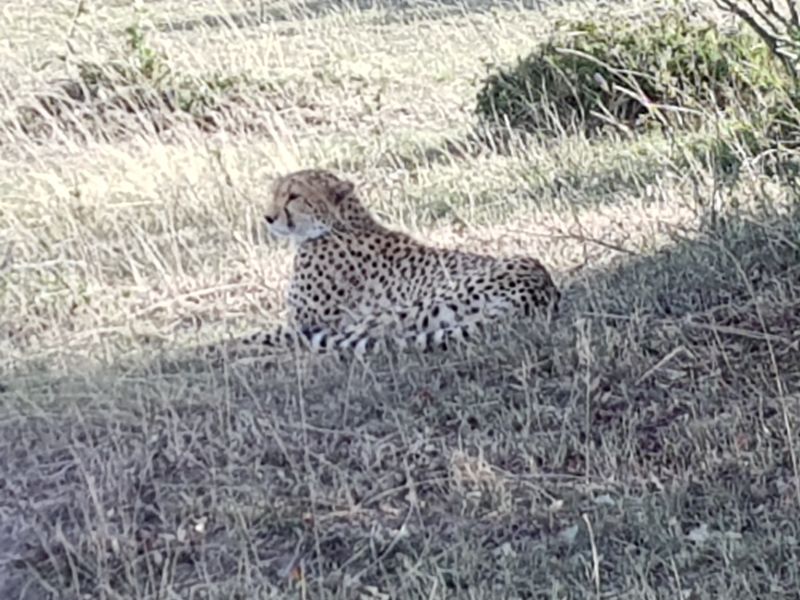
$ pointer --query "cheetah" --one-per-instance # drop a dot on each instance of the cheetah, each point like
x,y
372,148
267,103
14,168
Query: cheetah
x,y
355,281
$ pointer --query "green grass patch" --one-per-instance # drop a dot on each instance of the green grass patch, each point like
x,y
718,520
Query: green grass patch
x,y
140,82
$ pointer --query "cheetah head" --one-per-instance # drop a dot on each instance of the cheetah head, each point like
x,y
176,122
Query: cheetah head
x,y
312,203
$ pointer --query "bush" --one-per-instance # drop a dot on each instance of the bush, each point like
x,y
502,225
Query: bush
x,y
777,26
670,71
144,77
139,83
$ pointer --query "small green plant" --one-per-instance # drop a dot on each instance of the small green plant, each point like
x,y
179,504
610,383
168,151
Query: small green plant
x,y
589,76
140,65
150,63
141,78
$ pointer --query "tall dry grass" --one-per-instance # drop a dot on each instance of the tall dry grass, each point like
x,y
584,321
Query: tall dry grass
x,y
644,445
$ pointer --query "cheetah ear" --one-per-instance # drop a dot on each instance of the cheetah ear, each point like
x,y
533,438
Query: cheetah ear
x,y
341,190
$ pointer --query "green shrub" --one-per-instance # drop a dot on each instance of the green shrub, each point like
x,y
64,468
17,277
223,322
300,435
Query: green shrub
x,y
588,76
145,77
140,82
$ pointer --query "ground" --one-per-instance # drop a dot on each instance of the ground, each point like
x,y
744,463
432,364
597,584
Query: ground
x,y
644,445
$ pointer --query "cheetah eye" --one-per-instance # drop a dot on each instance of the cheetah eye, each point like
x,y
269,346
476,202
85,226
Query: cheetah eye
x,y
293,196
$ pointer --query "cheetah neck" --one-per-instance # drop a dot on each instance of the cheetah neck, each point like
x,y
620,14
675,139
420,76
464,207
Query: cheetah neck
x,y
358,226
348,237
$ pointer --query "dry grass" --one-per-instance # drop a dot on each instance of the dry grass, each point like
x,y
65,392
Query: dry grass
x,y
644,445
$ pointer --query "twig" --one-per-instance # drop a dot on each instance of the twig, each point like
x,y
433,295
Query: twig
x,y
664,360
773,38
79,10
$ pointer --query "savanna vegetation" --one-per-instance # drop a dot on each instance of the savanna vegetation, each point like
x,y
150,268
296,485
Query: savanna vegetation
x,y
641,445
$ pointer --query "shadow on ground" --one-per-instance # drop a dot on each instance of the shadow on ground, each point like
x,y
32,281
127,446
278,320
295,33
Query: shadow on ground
x,y
611,170
645,444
